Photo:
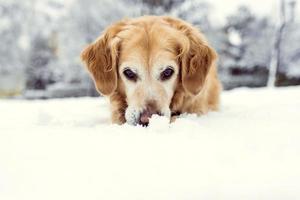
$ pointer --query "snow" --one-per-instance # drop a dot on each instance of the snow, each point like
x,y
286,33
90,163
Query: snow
x,y
53,8
262,8
234,37
67,149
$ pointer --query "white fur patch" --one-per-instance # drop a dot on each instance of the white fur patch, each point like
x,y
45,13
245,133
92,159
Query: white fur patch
x,y
132,115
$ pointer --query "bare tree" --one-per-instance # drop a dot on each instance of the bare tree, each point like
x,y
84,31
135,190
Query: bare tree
x,y
276,54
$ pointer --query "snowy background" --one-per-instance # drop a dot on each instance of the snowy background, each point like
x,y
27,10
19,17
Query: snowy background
x,y
54,148
41,40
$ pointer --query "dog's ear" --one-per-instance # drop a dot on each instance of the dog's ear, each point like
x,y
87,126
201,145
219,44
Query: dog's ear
x,y
196,64
101,59
196,56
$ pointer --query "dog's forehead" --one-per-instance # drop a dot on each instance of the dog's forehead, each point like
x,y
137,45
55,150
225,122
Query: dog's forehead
x,y
148,44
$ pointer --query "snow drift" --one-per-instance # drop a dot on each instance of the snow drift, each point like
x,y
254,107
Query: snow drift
x,y
66,149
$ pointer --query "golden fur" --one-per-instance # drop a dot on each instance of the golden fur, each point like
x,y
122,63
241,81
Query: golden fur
x,y
151,39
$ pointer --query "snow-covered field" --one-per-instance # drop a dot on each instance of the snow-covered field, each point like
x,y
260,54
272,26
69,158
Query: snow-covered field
x,y
66,149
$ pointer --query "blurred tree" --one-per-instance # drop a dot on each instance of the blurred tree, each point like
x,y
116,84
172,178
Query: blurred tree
x,y
244,46
39,71
196,12
13,46
166,5
288,69
42,52
276,53
248,47
81,27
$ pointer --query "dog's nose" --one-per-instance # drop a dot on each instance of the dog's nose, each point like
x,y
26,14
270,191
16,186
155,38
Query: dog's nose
x,y
145,117
147,113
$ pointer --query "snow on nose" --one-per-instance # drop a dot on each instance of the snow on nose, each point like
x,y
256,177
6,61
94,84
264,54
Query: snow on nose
x,y
144,118
147,113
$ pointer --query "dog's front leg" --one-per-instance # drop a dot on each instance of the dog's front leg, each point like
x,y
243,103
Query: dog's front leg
x,y
118,108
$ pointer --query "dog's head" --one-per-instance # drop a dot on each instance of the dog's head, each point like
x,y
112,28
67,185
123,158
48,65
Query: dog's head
x,y
147,59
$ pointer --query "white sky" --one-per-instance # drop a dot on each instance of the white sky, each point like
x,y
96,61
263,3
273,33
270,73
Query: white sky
x,y
223,8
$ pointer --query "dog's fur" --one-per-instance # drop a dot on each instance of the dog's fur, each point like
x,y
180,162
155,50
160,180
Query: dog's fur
x,y
147,45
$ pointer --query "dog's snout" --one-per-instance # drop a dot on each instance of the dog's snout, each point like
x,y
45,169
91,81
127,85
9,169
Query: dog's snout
x,y
145,116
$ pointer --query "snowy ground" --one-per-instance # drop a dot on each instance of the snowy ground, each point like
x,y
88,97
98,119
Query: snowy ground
x,y
66,149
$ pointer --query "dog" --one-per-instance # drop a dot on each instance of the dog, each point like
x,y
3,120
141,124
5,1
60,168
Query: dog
x,y
154,65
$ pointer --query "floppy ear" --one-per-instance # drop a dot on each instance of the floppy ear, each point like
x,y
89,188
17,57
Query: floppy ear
x,y
196,64
196,56
101,59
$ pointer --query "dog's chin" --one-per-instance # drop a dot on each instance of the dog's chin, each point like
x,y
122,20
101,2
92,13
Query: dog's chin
x,y
134,116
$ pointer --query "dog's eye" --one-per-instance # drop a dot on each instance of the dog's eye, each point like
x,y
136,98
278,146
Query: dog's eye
x,y
166,74
130,75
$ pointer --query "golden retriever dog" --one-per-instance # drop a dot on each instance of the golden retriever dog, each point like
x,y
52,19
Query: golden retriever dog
x,y
153,65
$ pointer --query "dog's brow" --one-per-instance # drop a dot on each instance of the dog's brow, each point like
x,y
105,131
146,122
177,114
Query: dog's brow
x,y
131,68
166,66
129,65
